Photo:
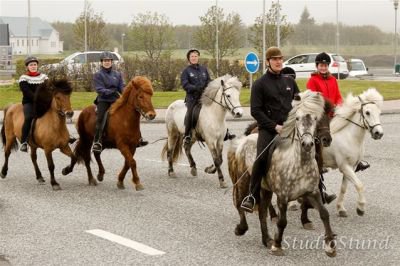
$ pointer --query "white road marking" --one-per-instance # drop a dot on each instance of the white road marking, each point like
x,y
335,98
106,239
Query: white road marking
x,y
125,242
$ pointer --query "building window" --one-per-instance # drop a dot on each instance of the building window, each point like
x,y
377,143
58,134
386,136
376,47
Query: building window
x,y
22,43
53,44
32,43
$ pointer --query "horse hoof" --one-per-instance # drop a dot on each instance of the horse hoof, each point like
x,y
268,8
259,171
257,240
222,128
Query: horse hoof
x,y
139,187
239,231
309,226
120,185
210,169
293,206
268,243
274,220
41,180
100,177
342,213
360,212
92,182
2,175
172,174
222,184
56,187
66,171
193,171
331,253
276,251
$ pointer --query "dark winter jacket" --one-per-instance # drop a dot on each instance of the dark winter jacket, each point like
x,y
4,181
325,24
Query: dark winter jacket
x,y
108,84
194,80
271,99
28,85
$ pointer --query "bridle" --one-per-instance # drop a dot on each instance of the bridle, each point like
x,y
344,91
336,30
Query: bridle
x,y
365,125
224,98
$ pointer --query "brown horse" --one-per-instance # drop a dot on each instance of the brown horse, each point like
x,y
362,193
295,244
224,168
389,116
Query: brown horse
x,y
122,130
49,132
239,168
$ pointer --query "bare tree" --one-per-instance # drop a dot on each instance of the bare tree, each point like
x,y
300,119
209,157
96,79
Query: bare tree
x,y
229,28
151,33
96,32
270,29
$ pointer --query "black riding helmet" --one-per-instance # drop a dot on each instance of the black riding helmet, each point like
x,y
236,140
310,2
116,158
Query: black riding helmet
x,y
289,71
106,55
322,58
31,59
191,51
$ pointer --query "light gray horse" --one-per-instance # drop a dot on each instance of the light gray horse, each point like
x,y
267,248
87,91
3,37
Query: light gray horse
x,y
220,96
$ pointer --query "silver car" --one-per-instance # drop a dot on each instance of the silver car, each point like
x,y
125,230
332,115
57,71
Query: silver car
x,y
304,65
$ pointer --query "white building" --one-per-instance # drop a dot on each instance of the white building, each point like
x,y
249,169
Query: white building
x,y
44,38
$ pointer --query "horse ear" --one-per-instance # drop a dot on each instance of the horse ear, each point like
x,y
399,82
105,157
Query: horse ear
x,y
222,82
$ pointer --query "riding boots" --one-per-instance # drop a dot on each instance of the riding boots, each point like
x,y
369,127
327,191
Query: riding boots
x,y
229,135
248,203
362,165
24,147
142,143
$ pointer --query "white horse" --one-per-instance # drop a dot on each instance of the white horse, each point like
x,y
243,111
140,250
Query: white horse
x,y
220,96
353,119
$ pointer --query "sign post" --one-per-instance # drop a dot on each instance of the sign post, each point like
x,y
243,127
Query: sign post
x,y
251,64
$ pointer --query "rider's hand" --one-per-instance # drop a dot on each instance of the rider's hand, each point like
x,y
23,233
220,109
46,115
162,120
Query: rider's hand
x,y
278,128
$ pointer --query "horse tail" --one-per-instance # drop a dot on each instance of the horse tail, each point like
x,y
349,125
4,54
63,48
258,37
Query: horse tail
x,y
3,132
176,153
82,148
250,128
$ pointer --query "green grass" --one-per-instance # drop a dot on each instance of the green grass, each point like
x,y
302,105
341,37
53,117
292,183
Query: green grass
x,y
389,90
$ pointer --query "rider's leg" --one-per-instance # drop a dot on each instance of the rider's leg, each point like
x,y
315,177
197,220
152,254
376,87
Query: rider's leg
x,y
229,135
188,122
102,108
260,168
28,117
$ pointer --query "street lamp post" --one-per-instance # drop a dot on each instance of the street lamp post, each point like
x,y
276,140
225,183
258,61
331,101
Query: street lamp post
x,y
122,42
263,40
216,37
396,5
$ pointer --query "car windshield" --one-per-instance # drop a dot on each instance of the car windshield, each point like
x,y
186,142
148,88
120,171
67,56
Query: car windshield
x,y
338,58
357,66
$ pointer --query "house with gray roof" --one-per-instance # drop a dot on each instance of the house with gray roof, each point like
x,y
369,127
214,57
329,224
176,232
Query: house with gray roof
x,y
44,39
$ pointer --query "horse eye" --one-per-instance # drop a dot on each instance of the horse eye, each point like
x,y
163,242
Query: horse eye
x,y
297,119
367,113
228,95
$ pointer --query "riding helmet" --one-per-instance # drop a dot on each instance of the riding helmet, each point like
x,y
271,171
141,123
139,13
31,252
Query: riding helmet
x,y
273,52
31,59
106,55
323,58
289,72
191,51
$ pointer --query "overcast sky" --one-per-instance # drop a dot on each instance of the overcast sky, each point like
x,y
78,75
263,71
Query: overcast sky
x,y
351,12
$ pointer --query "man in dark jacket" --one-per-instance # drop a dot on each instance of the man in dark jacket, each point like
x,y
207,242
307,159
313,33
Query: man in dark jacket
x,y
194,80
270,103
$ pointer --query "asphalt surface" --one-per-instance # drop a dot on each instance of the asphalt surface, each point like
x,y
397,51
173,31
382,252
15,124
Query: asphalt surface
x,y
188,218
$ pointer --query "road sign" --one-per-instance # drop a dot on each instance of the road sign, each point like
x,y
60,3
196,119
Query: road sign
x,y
251,62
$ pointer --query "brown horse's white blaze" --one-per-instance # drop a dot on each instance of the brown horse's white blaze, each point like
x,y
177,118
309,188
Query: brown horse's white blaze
x,y
122,131
50,132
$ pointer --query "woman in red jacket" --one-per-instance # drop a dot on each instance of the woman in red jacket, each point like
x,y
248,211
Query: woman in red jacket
x,y
323,82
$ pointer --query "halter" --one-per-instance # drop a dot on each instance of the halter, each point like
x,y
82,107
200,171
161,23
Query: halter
x,y
365,125
228,104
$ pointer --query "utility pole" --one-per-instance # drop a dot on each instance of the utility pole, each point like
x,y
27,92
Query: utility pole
x,y
216,37
263,51
28,40
278,25
396,5
337,35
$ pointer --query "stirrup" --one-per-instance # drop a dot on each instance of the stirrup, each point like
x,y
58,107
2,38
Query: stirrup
x,y
187,140
245,205
361,166
97,147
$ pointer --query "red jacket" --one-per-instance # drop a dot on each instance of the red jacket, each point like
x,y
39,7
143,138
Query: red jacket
x,y
327,86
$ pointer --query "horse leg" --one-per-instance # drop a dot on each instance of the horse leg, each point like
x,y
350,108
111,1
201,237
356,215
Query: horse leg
x,y
67,151
121,176
7,152
342,212
307,224
276,248
128,155
330,243
86,159
39,176
242,227
263,207
50,164
349,174
272,213
193,169
173,142
216,153
100,174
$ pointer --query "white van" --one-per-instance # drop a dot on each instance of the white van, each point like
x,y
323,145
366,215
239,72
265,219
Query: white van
x,y
357,68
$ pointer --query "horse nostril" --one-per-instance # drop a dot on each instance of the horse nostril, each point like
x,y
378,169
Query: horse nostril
x,y
70,113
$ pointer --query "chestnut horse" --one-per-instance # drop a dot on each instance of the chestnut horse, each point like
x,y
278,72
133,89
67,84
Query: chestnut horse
x,y
122,130
49,132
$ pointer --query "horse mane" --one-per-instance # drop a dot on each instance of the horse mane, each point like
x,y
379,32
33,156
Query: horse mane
x,y
212,89
136,83
311,102
45,92
351,105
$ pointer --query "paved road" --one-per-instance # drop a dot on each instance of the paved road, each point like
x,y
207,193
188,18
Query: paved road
x,y
188,218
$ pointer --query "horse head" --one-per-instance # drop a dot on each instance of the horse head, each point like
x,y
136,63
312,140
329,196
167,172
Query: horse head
x,y
141,99
323,126
225,91
370,111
